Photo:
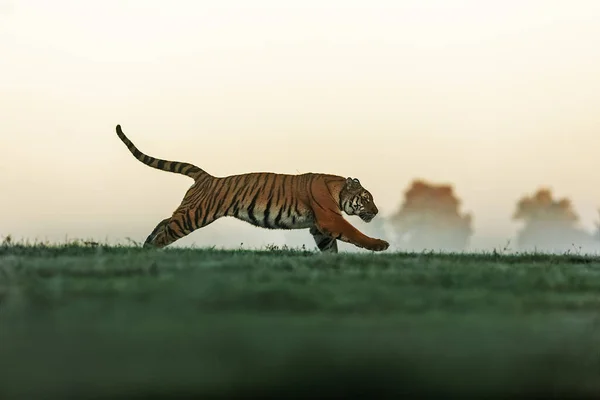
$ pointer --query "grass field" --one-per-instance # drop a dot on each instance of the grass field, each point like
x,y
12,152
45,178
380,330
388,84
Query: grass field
x,y
125,323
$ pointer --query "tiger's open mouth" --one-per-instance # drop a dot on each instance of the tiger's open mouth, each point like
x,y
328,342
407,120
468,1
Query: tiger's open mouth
x,y
367,217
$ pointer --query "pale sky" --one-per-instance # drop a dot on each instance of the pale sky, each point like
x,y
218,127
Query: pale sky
x,y
496,97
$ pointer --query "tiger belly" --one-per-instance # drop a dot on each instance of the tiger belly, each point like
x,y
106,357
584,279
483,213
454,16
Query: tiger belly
x,y
274,219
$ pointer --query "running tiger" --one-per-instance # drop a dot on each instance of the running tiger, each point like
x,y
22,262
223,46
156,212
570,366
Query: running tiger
x,y
268,200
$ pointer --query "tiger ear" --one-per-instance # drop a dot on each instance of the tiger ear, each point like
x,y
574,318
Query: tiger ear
x,y
352,183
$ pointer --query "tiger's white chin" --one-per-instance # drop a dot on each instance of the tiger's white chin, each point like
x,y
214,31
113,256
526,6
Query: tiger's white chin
x,y
367,217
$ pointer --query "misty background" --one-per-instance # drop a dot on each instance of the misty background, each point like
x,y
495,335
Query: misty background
x,y
496,100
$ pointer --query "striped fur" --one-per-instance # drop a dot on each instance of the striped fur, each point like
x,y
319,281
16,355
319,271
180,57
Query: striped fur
x,y
268,200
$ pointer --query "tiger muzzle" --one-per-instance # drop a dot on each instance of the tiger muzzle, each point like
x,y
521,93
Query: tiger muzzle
x,y
367,216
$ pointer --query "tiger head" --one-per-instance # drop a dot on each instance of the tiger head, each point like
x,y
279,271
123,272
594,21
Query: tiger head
x,y
356,200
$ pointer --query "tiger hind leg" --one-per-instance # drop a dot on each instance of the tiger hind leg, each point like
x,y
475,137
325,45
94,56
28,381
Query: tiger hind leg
x,y
325,243
167,231
183,222
151,239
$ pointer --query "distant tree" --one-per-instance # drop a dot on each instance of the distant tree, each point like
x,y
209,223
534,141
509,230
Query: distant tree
x,y
429,219
596,234
549,224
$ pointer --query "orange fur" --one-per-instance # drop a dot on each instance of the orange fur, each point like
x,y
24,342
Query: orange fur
x,y
268,200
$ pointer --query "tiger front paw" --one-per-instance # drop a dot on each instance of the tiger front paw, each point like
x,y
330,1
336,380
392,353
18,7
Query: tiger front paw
x,y
379,245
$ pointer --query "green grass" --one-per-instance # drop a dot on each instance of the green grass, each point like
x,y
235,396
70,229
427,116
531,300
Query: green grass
x,y
87,322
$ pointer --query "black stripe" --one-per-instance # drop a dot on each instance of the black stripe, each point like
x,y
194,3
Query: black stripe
x,y
212,195
197,215
193,221
200,210
229,187
161,164
269,186
180,167
248,188
167,232
234,196
278,218
266,222
172,231
280,189
177,222
187,222
255,184
188,169
296,210
251,208
200,183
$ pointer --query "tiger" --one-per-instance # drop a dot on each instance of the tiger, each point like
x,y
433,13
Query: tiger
x,y
312,201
